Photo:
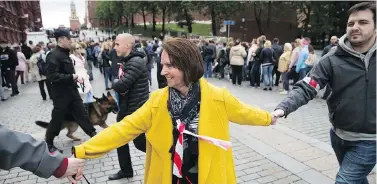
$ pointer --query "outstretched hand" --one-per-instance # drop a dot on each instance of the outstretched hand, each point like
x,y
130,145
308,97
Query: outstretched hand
x,y
278,113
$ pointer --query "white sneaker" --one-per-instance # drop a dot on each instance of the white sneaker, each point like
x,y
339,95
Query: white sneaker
x,y
284,92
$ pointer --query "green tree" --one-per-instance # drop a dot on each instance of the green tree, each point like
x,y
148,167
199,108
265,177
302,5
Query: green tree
x,y
182,12
218,11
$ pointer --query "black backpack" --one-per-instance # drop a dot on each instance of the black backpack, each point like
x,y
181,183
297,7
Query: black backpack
x,y
42,66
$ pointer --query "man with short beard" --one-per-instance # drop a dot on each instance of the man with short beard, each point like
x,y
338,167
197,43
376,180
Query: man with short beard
x,y
350,70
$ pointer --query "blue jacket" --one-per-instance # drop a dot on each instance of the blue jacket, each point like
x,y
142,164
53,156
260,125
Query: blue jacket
x,y
303,55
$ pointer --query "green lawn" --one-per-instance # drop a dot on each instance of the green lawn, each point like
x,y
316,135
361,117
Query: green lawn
x,y
197,29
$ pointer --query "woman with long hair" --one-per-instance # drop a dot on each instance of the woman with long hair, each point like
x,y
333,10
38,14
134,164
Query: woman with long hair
x,y
77,53
20,68
174,117
105,65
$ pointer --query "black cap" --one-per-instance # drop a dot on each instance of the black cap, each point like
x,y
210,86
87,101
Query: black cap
x,y
61,32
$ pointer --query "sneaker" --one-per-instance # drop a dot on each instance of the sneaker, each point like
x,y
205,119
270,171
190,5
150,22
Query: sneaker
x,y
4,99
284,92
270,88
52,149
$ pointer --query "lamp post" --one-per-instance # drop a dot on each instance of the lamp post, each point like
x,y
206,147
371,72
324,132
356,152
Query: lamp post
x,y
243,28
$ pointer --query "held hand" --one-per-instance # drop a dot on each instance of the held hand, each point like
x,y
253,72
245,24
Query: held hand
x,y
74,76
80,79
75,167
278,113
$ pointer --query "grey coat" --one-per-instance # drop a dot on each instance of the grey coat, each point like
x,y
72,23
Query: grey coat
x,y
22,150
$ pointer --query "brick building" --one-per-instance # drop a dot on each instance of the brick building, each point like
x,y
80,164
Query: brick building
x,y
282,25
91,14
16,17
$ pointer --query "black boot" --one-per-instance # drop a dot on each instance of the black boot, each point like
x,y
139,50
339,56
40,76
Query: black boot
x,y
119,175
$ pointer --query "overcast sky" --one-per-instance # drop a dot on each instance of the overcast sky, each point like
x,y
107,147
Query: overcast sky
x,y
57,12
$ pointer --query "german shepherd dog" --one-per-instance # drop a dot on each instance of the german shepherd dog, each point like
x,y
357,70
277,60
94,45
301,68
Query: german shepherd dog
x,y
97,112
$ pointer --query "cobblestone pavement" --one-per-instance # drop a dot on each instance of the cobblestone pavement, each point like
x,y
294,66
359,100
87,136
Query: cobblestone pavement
x,y
262,155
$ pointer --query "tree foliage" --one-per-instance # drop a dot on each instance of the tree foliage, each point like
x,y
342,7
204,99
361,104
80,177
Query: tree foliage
x,y
314,17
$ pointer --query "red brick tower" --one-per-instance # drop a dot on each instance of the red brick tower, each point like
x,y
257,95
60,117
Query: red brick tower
x,y
74,19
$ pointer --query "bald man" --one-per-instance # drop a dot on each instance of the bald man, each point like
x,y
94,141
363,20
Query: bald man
x,y
333,42
133,90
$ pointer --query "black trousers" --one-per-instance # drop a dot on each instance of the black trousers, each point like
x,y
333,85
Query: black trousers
x,y
294,75
42,89
237,74
5,82
124,156
277,73
255,75
10,77
70,102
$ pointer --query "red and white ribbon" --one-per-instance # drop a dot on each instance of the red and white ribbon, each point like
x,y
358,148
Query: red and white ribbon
x,y
218,142
178,153
120,71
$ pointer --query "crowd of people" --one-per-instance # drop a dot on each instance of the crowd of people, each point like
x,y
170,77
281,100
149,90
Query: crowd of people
x,y
169,124
258,61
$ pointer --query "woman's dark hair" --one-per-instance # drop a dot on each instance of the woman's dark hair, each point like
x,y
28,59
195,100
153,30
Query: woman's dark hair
x,y
364,6
36,49
186,57
311,49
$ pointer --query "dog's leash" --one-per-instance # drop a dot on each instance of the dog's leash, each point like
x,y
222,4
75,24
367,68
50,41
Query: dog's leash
x,y
74,176
82,86
87,181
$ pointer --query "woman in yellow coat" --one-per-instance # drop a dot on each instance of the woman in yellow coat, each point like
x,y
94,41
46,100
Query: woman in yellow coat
x,y
203,109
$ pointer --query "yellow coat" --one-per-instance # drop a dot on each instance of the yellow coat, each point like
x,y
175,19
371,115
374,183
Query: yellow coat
x,y
217,108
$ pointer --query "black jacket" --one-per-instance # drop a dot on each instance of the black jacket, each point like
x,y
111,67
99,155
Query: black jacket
x,y
60,68
106,57
160,78
26,50
267,55
8,59
114,63
278,51
352,78
133,87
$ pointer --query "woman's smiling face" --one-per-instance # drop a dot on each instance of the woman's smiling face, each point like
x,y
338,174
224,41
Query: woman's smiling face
x,y
173,75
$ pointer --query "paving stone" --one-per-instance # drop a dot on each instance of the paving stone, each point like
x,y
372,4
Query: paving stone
x,y
16,179
267,179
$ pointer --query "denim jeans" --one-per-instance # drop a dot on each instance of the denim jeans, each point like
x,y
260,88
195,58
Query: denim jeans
x,y
117,99
108,77
285,76
207,67
356,159
267,75
302,73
